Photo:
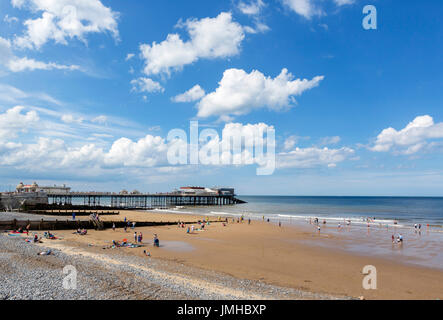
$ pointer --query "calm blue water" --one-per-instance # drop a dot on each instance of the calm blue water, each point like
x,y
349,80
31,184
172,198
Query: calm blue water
x,y
386,210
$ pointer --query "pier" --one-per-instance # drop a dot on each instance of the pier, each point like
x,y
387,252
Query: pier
x,y
137,201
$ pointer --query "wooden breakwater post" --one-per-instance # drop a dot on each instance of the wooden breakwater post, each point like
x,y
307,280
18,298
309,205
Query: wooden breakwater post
x,y
42,225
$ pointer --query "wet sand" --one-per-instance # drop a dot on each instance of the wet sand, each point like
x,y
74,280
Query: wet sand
x,y
264,251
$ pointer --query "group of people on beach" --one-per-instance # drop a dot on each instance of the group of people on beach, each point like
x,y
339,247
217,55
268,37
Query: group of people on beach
x,y
81,232
398,239
138,238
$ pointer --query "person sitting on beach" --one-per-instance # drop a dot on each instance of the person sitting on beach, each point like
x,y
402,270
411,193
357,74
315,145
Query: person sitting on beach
x,y
35,238
48,235
84,232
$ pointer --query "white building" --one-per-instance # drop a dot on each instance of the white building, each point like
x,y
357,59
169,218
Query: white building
x,y
28,188
207,191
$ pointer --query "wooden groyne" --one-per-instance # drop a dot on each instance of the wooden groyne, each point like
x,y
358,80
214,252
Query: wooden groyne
x,y
78,213
43,225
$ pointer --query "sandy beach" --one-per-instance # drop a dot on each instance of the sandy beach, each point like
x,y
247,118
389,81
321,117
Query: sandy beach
x,y
261,252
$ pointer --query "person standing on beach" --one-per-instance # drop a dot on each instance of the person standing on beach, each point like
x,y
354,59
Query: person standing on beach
x,y
156,241
135,237
126,228
113,227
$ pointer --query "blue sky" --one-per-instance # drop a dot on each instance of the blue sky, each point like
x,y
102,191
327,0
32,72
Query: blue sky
x,y
87,93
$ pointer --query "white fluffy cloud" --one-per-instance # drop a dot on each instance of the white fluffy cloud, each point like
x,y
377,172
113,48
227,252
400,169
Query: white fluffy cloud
x,y
23,64
62,20
209,38
411,139
305,8
49,152
253,7
14,64
240,92
343,2
146,85
14,121
69,118
313,157
193,94
311,8
146,152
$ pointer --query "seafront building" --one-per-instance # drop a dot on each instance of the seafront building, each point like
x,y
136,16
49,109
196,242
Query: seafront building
x,y
27,188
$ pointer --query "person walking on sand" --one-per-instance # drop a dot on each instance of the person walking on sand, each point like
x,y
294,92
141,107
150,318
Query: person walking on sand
x,y
125,228
279,224
113,227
